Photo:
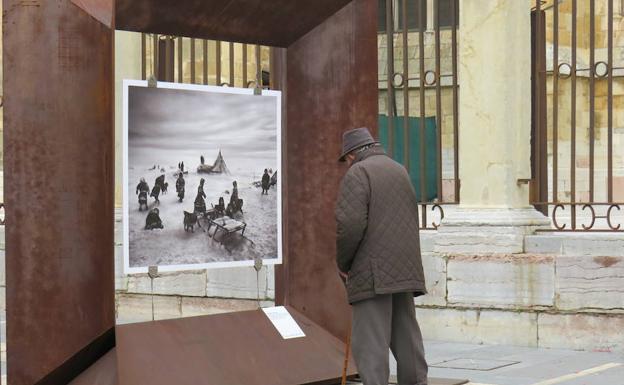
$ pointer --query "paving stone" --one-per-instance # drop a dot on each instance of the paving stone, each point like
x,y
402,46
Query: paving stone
x,y
435,278
594,244
138,308
504,280
427,241
186,283
479,326
582,331
205,306
238,282
543,244
585,283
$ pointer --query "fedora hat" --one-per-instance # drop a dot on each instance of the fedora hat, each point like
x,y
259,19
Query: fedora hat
x,y
354,139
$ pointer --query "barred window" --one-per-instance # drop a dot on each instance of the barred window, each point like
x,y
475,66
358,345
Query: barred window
x,y
415,9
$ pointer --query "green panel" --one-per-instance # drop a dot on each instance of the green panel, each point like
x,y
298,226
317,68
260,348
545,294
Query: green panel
x,y
414,151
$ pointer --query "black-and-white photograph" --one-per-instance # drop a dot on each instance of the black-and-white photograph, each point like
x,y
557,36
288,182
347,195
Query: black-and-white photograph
x,y
202,182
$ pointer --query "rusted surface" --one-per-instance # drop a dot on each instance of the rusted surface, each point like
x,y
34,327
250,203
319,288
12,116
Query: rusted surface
x,y
103,372
225,349
331,87
278,82
275,23
101,10
58,186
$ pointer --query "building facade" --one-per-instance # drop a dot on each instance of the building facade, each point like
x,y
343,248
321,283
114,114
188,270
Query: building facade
x,y
496,116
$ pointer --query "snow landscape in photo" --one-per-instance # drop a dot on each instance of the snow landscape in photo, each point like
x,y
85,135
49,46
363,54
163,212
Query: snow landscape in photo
x,y
167,126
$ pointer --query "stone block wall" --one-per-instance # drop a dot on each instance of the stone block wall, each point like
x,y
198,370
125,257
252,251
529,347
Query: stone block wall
x,y
562,291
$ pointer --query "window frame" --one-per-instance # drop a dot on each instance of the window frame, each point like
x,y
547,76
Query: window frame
x,y
449,26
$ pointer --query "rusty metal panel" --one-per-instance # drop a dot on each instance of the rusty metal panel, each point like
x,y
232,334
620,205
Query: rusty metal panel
x,y
331,87
103,372
101,10
59,186
274,23
224,349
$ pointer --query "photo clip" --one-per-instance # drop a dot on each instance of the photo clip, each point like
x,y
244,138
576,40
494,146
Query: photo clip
x,y
152,82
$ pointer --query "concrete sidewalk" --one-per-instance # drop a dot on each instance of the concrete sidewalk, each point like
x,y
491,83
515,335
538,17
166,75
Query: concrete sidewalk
x,y
508,365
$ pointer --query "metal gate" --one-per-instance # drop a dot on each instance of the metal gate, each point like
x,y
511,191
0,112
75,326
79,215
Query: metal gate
x,y
418,88
577,143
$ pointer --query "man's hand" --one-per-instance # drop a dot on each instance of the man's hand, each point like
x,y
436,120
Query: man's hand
x,y
343,276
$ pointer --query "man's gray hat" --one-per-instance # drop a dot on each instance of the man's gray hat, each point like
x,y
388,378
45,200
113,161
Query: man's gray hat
x,y
354,139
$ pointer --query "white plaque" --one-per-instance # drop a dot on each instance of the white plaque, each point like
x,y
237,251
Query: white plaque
x,y
283,322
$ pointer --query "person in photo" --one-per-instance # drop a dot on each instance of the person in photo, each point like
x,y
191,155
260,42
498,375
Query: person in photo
x,y
153,220
234,196
200,199
378,257
141,190
236,204
266,182
180,183
156,189
220,207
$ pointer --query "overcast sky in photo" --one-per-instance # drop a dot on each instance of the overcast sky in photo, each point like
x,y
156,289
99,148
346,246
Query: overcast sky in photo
x,y
169,125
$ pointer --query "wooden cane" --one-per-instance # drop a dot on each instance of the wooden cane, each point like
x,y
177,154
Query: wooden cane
x,y
346,360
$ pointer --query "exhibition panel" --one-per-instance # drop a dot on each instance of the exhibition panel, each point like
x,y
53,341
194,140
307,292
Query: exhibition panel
x,y
59,189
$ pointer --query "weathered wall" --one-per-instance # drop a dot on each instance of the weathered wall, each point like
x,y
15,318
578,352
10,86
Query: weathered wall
x,y
556,294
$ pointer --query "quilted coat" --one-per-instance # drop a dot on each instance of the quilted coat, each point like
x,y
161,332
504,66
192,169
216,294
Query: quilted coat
x,y
378,244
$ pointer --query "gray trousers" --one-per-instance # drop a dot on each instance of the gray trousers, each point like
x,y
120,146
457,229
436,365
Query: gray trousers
x,y
388,322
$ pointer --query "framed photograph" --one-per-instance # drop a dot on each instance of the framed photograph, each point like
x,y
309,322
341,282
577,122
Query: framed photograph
x,y
202,177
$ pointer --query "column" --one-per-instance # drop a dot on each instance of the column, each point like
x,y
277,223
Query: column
x,y
495,129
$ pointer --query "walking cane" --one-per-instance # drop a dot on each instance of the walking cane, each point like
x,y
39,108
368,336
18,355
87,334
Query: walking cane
x,y
346,360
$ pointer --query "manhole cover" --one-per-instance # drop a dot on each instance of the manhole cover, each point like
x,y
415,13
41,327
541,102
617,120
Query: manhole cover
x,y
474,364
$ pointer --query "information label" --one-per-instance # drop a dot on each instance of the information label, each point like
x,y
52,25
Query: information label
x,y
283,322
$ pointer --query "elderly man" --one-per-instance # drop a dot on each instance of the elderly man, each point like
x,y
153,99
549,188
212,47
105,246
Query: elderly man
x,y
378,255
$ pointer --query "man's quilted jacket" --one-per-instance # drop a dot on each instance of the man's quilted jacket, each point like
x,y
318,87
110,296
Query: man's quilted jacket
x,y
377,216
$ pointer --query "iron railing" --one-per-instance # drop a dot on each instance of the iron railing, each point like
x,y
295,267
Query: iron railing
x,y
406,128
199,61
574,168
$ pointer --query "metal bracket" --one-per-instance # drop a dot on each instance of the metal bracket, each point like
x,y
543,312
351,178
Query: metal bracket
x,y
152,82
3,220
522,181
152,272
258,266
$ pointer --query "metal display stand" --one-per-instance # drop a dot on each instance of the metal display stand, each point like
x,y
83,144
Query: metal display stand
x,y
227,349
59,109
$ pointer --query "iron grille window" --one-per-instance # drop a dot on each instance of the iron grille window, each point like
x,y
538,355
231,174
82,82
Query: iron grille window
x,y
446,14
415,9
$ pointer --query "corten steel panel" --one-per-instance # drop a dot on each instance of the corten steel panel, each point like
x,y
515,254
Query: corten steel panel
x,y
103,372
278,82
224,349
58,184
102,10
332,87
270,22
